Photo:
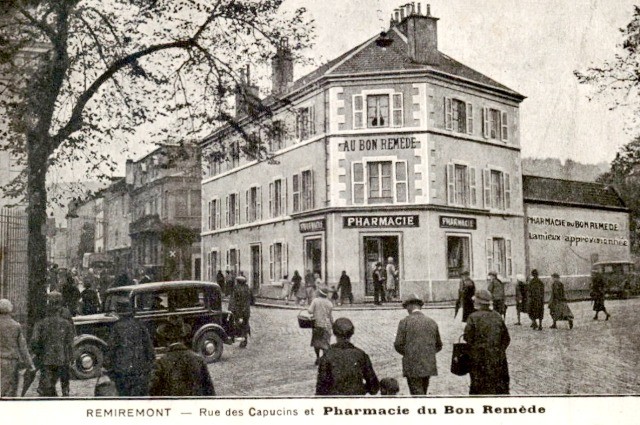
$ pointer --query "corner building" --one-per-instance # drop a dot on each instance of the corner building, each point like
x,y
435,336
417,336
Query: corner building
x,y
393,149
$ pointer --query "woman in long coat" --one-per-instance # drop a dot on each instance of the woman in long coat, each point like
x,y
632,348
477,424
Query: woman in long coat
x,y
535,300
598,295
558,307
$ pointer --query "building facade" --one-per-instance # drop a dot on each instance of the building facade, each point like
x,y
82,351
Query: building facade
x,y
392,150
117,242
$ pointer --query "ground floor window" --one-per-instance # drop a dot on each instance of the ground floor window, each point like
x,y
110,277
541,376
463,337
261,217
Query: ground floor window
x,y
499,256
233,261
277,261
458,255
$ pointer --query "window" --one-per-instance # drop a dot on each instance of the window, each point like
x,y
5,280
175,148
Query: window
x,y
497,189
234,155
277,261
154,301
461,185
357,189
275,135
382,110
277,198
458,115
385,182
233,210
499,256
458,255
495,124
214,214
380,182
307,190
233,261
253,204
187,298
305,122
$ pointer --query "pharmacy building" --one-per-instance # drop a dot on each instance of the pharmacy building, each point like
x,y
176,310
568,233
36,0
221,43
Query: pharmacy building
x,y
392,150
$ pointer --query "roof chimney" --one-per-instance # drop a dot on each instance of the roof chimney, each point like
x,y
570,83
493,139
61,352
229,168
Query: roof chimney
x,y
422,37
281,68
246,94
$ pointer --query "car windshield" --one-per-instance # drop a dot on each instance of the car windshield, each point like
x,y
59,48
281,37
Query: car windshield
x,y
111,301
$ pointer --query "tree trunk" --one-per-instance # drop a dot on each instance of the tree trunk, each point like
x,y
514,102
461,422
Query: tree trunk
x,y
37,160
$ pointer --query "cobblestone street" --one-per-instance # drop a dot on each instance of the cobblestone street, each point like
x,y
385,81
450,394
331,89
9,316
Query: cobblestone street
x,y
593,358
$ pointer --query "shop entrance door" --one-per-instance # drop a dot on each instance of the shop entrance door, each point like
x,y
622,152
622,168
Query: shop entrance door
x,y
313,255
256,267
378,248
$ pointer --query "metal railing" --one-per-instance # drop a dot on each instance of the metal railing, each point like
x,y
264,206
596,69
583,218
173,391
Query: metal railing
x,y
13,260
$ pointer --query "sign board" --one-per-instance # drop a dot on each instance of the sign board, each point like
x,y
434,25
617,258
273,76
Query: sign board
x,y
449,222
380,221
312,226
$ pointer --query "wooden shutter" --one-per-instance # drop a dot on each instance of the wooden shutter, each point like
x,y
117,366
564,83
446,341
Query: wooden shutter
x,y
509,267
247,194
357,183
358,111
489,249
271,262
211,217
507,190
296,180
298,126
448,114
237,210
504,121
469,118
271,199
312,120
227,212
397,117
259,203
312,189
451,184
218,207
401,182
485,123
285,259
486,181
473,187
283,199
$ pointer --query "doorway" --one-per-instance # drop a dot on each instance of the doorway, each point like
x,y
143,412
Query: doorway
x,y
378,249
313,255
256,268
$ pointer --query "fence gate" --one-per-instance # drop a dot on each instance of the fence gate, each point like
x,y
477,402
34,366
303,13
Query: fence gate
x,y
13,260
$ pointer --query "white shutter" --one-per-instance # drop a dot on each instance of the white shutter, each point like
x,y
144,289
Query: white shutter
x,y
312,189
509,268
358,111
402,188
237,211
485,122
271,262
505,126
283,197
218,207
227,212
259,203
486,181
312,120
298,126
297,199
397,117
246,205
507,190
473,187
285,259
271,203
210,215
489,254
451,184
357,183
469,118
448,114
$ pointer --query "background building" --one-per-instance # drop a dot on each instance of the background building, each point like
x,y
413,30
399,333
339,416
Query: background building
x,y
117,242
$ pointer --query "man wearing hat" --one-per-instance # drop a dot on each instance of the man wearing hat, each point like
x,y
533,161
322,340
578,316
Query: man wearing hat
x,y
558,307
181,372
13,350
465,295
418,341
240,306
320,309
496,288
521,296
488,339
535,296
52,343
130,354
345,369
378,284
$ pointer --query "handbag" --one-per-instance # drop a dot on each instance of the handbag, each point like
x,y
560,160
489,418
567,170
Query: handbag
x,y
105,388
460,358
305,322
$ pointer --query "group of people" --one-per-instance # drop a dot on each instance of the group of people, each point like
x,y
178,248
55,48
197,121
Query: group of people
x,y
385,282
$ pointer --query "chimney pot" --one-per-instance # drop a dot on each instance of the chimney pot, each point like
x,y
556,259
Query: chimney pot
x,y
397,13
281,68
428,9
419,8
401,13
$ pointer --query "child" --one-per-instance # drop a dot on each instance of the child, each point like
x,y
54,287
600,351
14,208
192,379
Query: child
x,y
389,386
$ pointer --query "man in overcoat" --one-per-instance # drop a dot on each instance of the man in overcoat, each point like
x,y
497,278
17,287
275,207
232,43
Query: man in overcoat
x,y
535,300
418,340
558,307
240,306
465,295
598,295
345,369
496,288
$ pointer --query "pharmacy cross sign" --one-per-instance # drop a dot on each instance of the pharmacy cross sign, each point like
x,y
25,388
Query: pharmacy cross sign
x,y
172,254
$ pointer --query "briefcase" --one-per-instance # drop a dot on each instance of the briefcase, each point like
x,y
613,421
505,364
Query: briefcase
x,y
460,358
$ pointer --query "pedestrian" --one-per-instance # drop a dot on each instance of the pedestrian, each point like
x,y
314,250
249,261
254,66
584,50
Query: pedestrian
x,y
13,351
52,344
309,286
378,284
496,288
90,300
180,372
296,288
535,299
220,281
70,294
318,282
488,339
389,386
144,276
334,295
344,286
122,280
345,369
229,280
598,294
320,309
130,354
240,306
465,295
52,278
418,341
286,289
558,307
521,296
391,273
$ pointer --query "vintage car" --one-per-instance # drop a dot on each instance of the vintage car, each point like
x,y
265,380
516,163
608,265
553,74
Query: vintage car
x,y
620,277
199,304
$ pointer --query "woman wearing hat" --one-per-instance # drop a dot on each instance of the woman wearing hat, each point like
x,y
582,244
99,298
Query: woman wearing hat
x,y
321,309
488,340
558,307
13,351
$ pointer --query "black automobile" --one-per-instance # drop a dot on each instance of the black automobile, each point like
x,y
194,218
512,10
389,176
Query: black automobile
x,y
199,304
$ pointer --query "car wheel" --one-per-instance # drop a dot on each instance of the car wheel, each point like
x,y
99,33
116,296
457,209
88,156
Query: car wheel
x,y
209,345
87,361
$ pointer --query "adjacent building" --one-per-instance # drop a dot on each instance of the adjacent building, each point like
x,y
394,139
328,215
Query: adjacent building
x,y
117,242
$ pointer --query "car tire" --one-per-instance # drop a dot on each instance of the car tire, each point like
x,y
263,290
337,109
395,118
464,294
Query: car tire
x,y
210,346
87,362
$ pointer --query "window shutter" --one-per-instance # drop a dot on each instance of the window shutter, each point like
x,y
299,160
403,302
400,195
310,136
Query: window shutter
x,y
357,178
237,210
473,187
283,199
285,259
397,110
451,184
238,264
469,118
259,203
298,126
486,181
312,120
489,254
509,268
271,203
227,212
507,190
246,206
505,126
312,189
358,111
296,191
271,262
401,181
218,208
485,122
448,114
210,215
229,265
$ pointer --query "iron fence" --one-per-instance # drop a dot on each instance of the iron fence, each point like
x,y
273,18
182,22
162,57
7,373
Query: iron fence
x,y
13,260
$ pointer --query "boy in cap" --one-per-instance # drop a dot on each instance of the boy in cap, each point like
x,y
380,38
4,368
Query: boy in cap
x,y
345,369
418,340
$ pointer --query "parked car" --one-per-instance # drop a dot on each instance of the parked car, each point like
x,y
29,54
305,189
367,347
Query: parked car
x,y
620,277
198,303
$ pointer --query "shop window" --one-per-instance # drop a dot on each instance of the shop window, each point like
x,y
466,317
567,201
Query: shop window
x,y
277,198
458,255
305,122
382,110
499,256
495,124
277,261
458,115
497,189
253,204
